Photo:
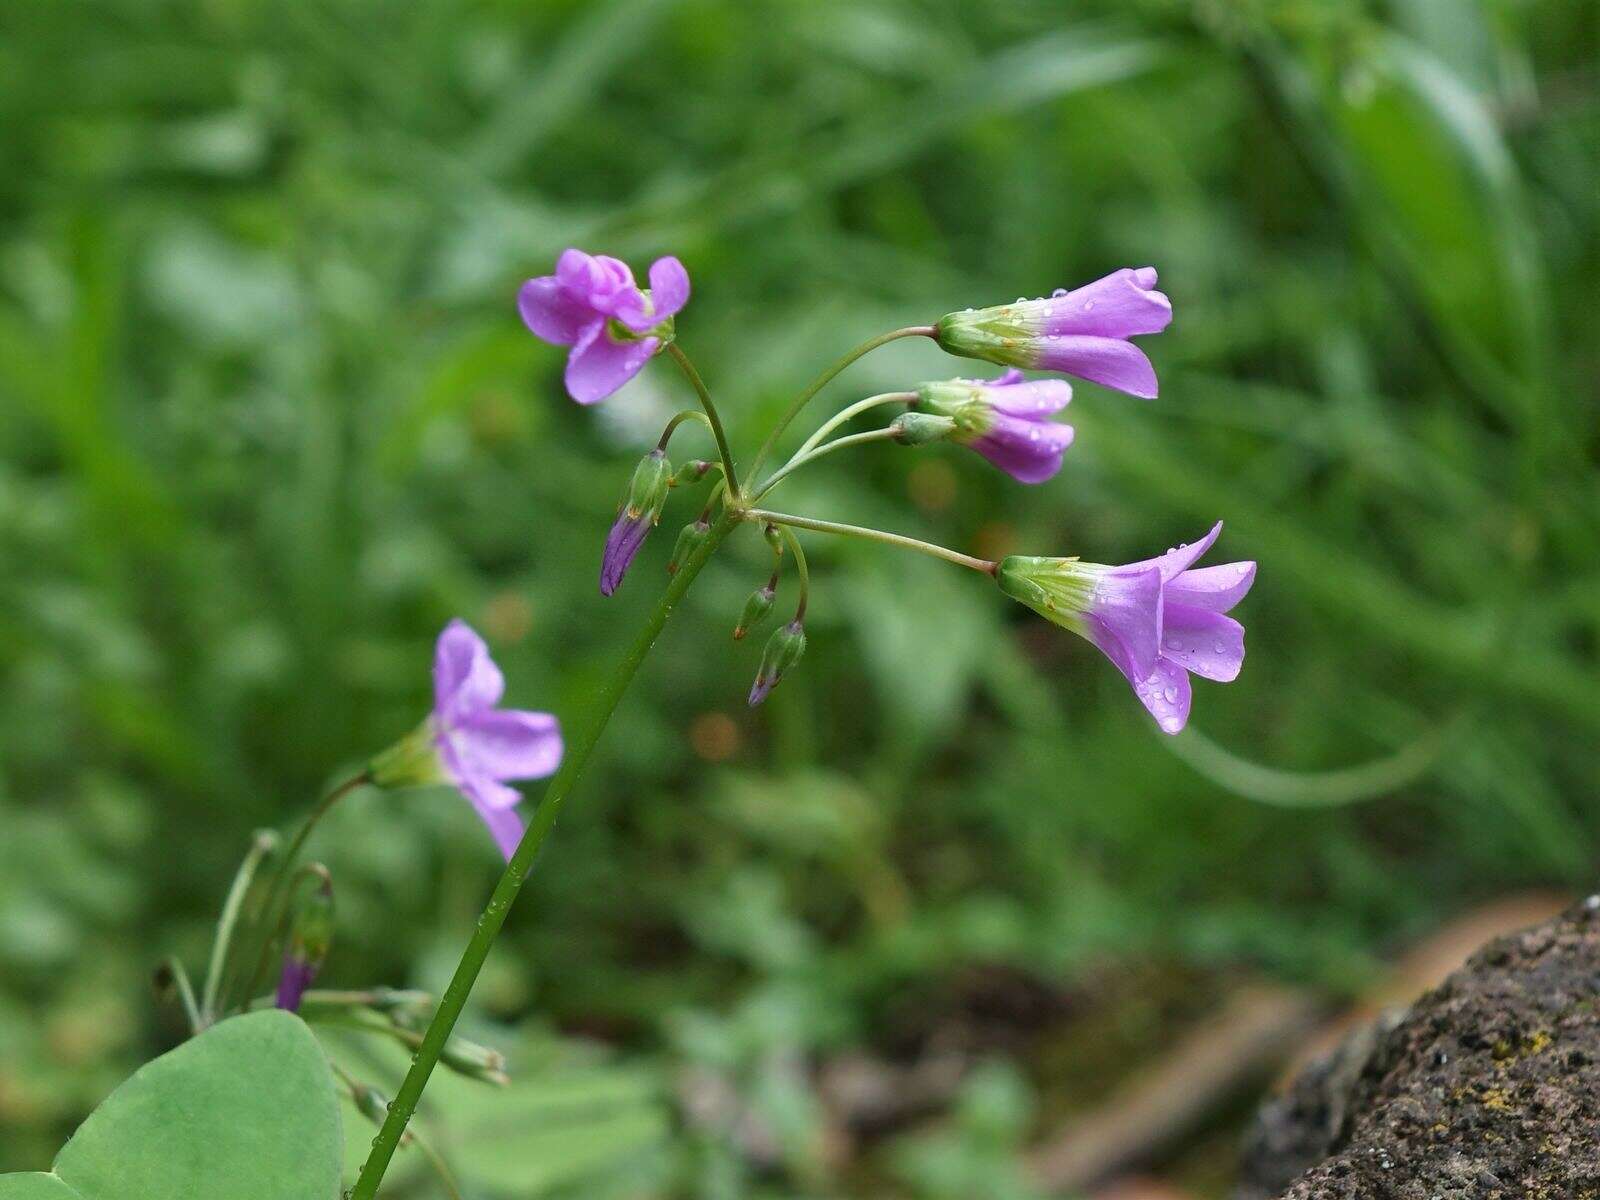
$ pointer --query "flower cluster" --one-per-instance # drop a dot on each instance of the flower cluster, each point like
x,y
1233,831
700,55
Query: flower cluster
x,y
1158,621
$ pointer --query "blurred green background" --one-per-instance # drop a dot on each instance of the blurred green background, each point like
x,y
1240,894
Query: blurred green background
x,y
268,420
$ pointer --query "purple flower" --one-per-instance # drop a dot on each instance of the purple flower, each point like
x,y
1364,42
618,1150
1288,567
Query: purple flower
x,y
593,305
1156,620
1083,332
1007,420
469,743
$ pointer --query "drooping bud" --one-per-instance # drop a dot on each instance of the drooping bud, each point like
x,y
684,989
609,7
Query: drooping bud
x,y
474,1061
310,937
691,539
755,609
641,509
784,649
918,429
692,471
1083,332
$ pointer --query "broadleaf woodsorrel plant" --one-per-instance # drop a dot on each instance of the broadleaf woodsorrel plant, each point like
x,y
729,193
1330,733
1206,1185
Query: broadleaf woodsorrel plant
x,y
1158,620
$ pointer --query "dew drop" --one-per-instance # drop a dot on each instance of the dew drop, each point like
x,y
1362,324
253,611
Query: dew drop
x,y
1171,694
1172,724
1220,646
1059,292
1033,435
1088,306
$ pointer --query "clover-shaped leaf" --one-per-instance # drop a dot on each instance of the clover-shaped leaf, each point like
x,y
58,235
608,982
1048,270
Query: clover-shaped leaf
x,y
245,1111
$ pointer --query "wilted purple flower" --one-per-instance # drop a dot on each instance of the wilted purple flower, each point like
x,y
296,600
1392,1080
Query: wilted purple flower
x,y
1157,620
1007,420
592,304
1083,332
469,743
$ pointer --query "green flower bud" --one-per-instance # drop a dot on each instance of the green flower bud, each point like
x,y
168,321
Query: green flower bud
x,y
784,649
474,1061
647,491
691,539
692,471
755,610
918,428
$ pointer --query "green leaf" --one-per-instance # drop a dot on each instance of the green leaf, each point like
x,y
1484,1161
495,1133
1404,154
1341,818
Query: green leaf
x,y
245,1111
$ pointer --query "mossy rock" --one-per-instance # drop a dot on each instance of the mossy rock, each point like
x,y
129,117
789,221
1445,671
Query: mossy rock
x,y
1487,1088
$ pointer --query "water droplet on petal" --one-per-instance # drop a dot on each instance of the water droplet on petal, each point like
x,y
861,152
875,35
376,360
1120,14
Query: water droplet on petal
x,y
1171,694
1088,306
1220,646
1059,292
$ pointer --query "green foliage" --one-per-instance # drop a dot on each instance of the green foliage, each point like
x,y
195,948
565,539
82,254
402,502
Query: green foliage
x,y
245,1111
268,420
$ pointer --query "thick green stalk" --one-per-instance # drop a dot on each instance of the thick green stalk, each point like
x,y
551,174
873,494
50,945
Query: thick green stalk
x,y
582,735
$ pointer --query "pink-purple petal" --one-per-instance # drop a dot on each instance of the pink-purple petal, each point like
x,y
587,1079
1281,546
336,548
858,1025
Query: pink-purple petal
x,y
599,366
505,743
1034,398
1107,361
1121,305
505,826
465,678
1176,561
1216,588
1207,643
551,312
669,287
1028,451
1126,608
1166,693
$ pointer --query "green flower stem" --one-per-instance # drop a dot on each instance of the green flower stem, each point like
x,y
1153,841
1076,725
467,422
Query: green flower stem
x,y
263,844
804,398
712,418
583,734
688,414
850,413
802,571
981,565
801,459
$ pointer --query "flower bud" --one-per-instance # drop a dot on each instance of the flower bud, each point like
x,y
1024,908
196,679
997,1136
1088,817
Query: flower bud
x,y
310,937
755,610
692,471
784,649
474,1061
641,509
647,491
691,539
918,429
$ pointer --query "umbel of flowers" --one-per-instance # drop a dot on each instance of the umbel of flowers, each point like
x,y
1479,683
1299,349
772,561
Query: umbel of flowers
x,y
1159,621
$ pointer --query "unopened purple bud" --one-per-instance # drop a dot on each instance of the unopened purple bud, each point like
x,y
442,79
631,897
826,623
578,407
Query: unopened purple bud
x,y
641,509
310,938
784,649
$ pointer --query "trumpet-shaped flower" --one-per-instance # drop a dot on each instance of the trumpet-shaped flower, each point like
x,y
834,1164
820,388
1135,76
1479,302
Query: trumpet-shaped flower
x,y
1007,420
1156,620
592,304
1083,332
470,743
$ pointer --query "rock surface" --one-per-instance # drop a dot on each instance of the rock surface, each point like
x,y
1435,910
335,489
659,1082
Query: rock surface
x,y
1487,1088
